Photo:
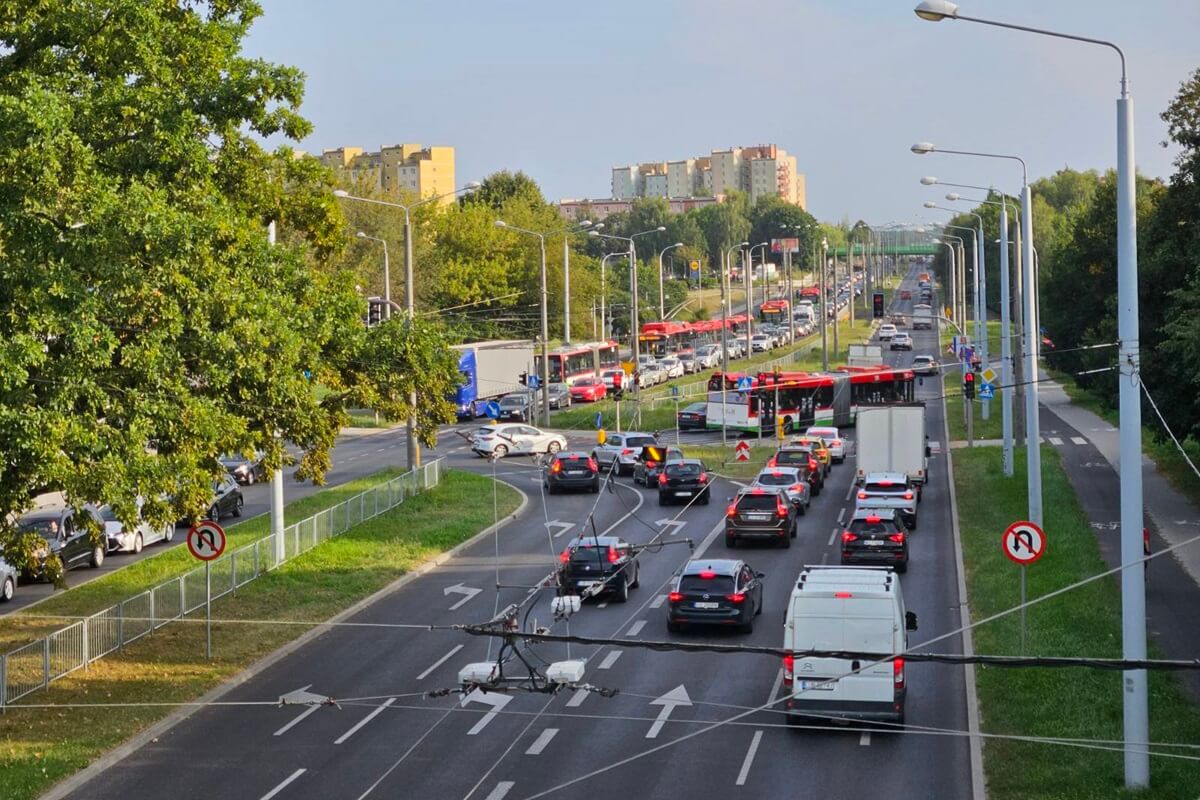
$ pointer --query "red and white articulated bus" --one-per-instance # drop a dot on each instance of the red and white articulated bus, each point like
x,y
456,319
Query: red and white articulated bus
x,y
668,336
805,398
572,362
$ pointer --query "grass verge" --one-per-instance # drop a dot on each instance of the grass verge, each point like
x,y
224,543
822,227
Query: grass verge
x,y
1084,622
39,747
720,458
23,626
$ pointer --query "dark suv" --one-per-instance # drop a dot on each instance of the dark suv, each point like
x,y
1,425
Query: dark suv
x,y
516,407
760,513
715,592
876,536
605,560
680,479
802,459
649,463
66,536
571,470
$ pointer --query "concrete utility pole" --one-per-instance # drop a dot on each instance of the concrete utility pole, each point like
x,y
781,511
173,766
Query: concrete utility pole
x,y
749,297
277,475
836,346
824,309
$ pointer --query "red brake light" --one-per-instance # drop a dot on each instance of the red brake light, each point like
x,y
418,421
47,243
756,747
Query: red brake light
x,y
613,555
789,665
557,467
908,495
674,597
885,483
757,490
812,465
565,555
704,477
776,473
898,672
651,464
771,463
896,537
592,465
847,536
662,479
862,495
626,452
842,595
780,509
797,487
837,442
731,509
736,598
708,574
872,518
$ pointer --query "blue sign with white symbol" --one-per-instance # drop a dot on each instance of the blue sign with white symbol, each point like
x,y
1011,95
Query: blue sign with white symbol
x,y
986,391
599,421
492,409
532,381
744,384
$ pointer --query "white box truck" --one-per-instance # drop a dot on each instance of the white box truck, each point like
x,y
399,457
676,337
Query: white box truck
x,y
892,439
922,318
856,611
490,370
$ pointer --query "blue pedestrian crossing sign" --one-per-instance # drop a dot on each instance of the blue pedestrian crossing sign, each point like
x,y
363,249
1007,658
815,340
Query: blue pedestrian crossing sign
x,y
532,381
986,391
744,384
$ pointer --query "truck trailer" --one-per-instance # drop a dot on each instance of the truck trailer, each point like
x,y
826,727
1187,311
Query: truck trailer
x,y
892,439
490,370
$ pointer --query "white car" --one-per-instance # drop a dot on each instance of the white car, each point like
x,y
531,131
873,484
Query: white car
x,y
886,332
515,437
709,356
673,367
760,343
833,440
119,538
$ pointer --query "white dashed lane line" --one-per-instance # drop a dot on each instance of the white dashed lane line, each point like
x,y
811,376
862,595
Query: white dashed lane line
x,y
865,739
832,537
578,698
841,515
286,781
658,601
636,628
610,659
749,760
539,744
1054,440
362,722
501,791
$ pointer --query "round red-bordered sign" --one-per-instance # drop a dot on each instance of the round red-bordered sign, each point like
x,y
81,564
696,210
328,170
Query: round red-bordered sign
x,y
1024,542
206,540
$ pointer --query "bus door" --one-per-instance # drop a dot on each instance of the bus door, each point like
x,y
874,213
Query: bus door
x,y
841,401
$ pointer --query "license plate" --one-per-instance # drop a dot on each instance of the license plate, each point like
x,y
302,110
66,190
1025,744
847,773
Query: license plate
x,y
820,686
683,494
707,605
576,472
758,517
586,583
873,543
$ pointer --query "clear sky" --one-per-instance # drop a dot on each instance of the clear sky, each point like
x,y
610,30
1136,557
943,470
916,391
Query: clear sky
x,y
565,90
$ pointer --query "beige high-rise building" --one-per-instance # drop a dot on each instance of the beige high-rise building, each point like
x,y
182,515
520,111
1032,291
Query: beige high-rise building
x,y
411,168
758,171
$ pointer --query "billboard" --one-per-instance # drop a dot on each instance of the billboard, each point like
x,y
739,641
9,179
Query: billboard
x,y
780,245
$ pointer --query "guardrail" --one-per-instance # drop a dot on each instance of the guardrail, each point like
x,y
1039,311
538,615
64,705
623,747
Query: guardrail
x,y
36,665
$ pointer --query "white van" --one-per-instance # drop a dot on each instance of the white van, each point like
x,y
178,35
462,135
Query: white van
x,y
854,610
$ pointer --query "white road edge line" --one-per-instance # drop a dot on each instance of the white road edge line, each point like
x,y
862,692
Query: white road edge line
x,y
539,744
359,725
610,659
299,718
285,783
502,789
439,662
749,760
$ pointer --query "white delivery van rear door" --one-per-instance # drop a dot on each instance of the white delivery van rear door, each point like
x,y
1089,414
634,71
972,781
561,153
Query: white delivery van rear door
x,y
864,625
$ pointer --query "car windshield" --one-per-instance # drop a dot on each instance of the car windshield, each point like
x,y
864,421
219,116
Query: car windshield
x,y
41,527
586,382
107,514
512,401
757,502
716,585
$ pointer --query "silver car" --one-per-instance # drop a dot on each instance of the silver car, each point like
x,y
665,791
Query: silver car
x,y
121,538
889,490
709,356
8,581
623,450
791,481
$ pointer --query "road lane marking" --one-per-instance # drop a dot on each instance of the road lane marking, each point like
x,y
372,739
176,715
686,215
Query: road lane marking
x,y
364,721
610,659
865,739
285,783
850,491
602,605
832,536
636,628
824,557
299,718
658,601
841,515
539,744
502,789
577,699
1079,440
439,662
775,686
741,778
1057,442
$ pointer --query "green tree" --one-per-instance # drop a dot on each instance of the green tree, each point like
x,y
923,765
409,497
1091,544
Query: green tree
x,y
500,189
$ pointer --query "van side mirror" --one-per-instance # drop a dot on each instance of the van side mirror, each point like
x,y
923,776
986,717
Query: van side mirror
x,y
910,620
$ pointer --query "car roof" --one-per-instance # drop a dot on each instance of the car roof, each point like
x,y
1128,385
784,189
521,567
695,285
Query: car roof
x,y
781,468
863,512
694,461
721,566
572,454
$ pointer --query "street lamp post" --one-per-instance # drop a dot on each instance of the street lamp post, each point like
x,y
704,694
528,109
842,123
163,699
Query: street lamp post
x,y
604,331
662,310
545,387
1133,580
387,275
824,310
633,305
413,450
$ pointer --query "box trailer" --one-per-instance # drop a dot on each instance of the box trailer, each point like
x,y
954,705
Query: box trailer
x,y
490,370
893,439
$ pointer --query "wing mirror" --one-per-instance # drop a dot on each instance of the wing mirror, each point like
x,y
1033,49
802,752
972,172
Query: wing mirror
x,y
910,620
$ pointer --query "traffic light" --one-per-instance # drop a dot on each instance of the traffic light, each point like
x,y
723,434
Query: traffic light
x,y
969,385
374,311
523,379
877,305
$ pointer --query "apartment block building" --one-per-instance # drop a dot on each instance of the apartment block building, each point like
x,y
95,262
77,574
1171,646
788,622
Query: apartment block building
x,y
760,170
411,168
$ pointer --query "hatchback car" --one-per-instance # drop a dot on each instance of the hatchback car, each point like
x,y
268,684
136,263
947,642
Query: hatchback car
x,y
832,438
790,481
517,407
66,537
761,343
680,479
589,389
599,561
876,536
760,514
120,537
560,395
693,416
708,356
8,581
901,341
715,592
509,437
622,450
571,470
672,366
244,469
649,463
886,332
924,365
889,490
801,458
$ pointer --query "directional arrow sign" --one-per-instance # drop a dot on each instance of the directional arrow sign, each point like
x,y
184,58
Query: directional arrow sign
x,y
676,697
673,525
458,588
496,701
559,528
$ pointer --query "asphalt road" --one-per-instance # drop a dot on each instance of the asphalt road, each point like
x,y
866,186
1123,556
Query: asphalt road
x,y
354,456
393,742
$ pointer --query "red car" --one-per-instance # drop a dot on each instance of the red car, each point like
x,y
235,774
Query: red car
x,y
905,294
588,389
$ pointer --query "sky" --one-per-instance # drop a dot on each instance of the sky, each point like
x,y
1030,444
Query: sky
x,y
566,90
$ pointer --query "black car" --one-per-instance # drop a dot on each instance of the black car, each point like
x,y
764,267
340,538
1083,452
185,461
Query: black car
x,y
692,417
244,470
66,537
516,407
227,499
762,514
560,396
680,479
802,459
876,536
571,470
607,561
715,592
650,460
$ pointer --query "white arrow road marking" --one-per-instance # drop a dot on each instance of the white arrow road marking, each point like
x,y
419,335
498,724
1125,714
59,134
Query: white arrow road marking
x,y
673,524
283,785
496,701
539,744
610,659
301,695
439,662
741,778
502,789
658,601
676,697
359,725
559,527
458,588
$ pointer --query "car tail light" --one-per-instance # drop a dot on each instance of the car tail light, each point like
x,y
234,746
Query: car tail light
x,y
873,518
674,597
731,509
780,509
565,555
862,495
908,495
704,477
613,555
898,673
626,452
797,487
737,597
789,666
885,483
847,536
592,465
896,537
837,442
557,467
812,465
651,464
843,595
771,463
662,479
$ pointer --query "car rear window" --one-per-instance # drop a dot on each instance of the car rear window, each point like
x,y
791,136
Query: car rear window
x,y
639,441
485,432
771,479
891,488
861,526
791,457
589,553
757,502
683,470
718,584
511,402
